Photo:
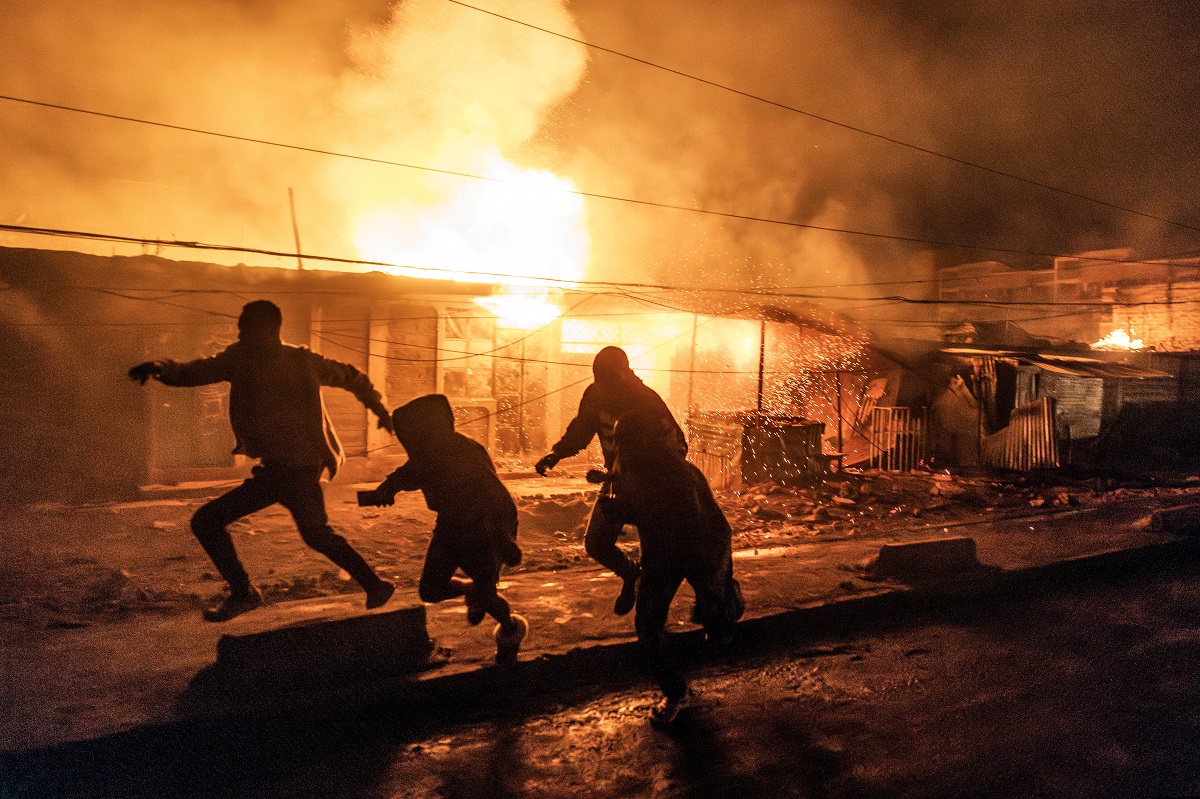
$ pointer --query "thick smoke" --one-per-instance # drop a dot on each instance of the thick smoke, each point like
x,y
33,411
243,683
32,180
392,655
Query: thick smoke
x,y
1093,96
422,82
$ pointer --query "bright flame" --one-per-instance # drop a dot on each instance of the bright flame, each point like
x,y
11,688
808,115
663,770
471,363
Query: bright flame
x,y
484,231
1119,340
521,311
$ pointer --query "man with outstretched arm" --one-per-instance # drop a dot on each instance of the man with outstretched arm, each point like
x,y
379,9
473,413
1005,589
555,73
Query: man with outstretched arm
x,y
278,416
616,391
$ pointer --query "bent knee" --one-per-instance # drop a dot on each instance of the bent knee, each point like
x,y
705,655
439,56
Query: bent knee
x,y
204,522
430,592
320,538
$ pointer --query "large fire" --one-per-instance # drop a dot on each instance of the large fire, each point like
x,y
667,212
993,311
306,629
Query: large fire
x,y
458,93
520,229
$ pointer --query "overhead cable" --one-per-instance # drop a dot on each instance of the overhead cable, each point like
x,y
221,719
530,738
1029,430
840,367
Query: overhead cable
x,y
574,283
555,189
830,121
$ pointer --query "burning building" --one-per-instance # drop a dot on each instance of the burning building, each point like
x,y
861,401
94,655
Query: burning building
x,y
789,391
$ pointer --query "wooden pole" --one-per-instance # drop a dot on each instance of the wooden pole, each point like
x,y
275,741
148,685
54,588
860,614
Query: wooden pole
x,y
295,228
692,373
762,362
837,377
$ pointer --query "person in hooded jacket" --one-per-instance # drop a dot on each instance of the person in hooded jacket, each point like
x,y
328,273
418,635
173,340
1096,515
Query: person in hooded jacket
x,y
616,391
684,536
278,416
476,527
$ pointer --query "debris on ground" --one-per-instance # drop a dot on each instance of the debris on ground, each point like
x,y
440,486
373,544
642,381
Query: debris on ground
x,y
64,564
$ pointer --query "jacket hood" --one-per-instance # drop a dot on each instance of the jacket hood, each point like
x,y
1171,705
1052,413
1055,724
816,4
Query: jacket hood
x,y
424,418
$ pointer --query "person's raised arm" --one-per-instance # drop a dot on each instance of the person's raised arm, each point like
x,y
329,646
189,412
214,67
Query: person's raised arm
x,y
344,376
200,372
579,433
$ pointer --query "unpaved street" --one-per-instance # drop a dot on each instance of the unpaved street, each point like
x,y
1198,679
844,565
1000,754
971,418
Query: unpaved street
x,y
1084,688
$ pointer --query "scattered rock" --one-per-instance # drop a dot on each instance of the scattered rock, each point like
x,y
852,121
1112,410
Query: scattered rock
x,y
768,514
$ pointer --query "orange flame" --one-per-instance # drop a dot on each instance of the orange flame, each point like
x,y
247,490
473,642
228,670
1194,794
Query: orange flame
x,y
1119,339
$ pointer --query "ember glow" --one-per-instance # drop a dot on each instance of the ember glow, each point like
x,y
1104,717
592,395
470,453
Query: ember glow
x,y
1119,339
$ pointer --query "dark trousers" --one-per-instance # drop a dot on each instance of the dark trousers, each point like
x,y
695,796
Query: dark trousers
x,y
469,545
600,541
298,489
718,606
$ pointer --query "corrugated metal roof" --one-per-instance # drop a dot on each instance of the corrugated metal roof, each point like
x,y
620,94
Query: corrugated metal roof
x,y
1071,365
1089,367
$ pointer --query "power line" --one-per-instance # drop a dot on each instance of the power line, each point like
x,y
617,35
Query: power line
x,y
574,284
550,393
830,121
472,176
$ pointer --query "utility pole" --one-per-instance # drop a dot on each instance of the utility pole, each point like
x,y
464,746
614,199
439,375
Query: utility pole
x,y
295,228
762,363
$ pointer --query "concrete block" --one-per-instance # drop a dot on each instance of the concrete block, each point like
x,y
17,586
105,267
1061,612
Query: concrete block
x,y
1183,520
926,559
374,643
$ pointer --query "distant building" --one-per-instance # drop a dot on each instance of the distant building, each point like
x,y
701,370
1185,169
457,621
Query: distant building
x,y
1083,297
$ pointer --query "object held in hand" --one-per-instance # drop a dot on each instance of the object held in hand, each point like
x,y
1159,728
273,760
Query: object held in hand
x,y
597,476
144,371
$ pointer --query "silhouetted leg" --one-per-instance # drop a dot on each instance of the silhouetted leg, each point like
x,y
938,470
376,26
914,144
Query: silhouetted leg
x,y
655,592
483,567
438,582
719,602
209,525
600,542
304,498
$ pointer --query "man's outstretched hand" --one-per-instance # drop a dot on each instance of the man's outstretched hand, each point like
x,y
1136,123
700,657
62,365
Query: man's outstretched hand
x,y
385,418
144,371
547,462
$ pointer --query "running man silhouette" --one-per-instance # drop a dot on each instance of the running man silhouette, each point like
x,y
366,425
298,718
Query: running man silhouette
x,y
616,392
278,416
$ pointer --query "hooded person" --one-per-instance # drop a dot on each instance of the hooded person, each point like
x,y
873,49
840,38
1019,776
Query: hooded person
x,y
476,527
278,417
616,392
684,536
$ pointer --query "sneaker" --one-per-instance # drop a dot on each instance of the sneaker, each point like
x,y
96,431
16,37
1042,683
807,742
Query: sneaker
x,y
234,605
668,711
378,596
509,643
628,596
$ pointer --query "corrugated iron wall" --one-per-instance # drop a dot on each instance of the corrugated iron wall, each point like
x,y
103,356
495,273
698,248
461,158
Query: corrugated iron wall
x,y
898,439
716,450
1028,442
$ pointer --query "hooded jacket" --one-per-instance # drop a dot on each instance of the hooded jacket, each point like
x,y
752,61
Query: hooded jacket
x,y
275,404
455,473
600,408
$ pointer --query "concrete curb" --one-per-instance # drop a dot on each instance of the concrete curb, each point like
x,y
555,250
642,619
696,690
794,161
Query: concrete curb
x,y
437,700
